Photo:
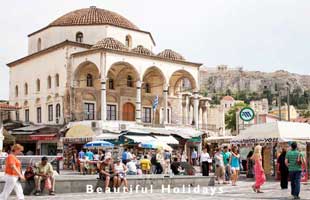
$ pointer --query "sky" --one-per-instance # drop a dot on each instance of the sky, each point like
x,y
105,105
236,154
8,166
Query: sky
x,y
260,35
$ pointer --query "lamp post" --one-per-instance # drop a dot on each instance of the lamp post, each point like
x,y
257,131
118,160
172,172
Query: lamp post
x,y
288,102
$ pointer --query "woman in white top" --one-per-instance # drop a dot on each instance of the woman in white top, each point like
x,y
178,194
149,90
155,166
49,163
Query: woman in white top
x,y
120,175
204,160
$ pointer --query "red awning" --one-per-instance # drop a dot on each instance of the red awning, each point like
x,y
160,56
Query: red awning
x,y
43,137
4,106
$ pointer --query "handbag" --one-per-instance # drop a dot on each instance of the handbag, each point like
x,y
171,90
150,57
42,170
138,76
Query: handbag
x,y
299,160
48,184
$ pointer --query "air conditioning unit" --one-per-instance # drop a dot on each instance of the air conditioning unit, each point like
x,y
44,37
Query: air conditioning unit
x,y
122,127
94,125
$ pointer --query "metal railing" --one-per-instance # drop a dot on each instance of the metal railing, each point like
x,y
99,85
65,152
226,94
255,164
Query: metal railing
x,y
31,160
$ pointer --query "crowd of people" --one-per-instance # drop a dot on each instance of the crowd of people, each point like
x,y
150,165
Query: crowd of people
x,y
226,164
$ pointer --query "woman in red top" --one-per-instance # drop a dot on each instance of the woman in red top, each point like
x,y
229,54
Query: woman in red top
x,y
13,173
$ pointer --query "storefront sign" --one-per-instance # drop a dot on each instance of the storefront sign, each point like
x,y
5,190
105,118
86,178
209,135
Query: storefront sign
x,y
255,140
42,137
247,114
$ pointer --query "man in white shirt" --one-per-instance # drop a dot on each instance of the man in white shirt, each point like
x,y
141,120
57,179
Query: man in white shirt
x,y
205,159
132,168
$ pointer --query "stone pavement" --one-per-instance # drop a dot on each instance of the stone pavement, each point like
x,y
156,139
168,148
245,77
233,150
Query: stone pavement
x,y
242,191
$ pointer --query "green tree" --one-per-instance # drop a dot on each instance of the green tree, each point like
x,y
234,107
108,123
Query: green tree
x,y
230,116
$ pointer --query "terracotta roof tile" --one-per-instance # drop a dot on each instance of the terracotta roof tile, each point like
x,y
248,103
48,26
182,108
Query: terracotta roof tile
x,y
172,55
110,43
142,50
91,16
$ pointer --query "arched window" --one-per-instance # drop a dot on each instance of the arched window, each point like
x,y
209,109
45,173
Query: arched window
x,y
39,44
89,80
128,41
38,85
49,82
57,111
111,84
129,81
79,37
16,91
26,89
147,88
57,80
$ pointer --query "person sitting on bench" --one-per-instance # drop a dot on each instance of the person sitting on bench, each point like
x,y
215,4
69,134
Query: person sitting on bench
x,y
106,171
44,171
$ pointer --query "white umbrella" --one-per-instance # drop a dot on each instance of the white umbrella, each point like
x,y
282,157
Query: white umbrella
x,y
274,132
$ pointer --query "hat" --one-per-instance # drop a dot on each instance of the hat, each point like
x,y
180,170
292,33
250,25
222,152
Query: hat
x,y
118,160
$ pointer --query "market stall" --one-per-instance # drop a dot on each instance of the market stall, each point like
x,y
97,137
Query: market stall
x,y
273,137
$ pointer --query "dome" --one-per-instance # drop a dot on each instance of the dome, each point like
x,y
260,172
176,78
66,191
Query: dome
x,y
228,98
110,43
93,16
142,50
169,54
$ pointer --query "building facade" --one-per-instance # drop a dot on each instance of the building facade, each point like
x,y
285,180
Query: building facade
x,y
94,64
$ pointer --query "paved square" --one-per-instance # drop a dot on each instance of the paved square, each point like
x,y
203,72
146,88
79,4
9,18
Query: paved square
x,y
242,191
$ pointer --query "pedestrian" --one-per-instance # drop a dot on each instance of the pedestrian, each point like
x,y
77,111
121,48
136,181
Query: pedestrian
x,y
167,157
283,169
219,164
120,171
159,162
226,158
194,157
260,177
131,166
145,165
235,165
250,164
204,159
294,160
124,156
13,174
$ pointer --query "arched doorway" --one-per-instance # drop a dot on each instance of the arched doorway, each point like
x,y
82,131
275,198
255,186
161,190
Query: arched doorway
x,y
128,112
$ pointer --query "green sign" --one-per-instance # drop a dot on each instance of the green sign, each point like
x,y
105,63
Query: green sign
x,y
247,114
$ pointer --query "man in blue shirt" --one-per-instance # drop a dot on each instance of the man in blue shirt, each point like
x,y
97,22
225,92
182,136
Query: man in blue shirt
x,y
124,156
81,154
90,155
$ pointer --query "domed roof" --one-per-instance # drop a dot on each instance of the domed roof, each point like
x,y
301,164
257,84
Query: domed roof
x,y
228,98
142,50
169,54
92,16
110,43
